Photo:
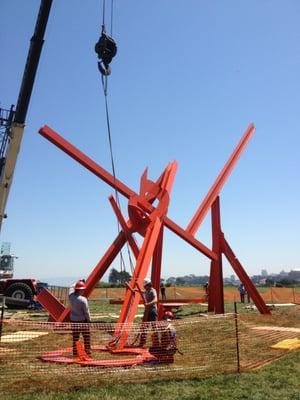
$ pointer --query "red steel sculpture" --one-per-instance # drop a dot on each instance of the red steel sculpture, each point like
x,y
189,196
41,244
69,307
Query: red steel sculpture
x,y
149,221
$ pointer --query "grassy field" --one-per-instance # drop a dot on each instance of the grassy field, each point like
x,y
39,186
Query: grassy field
x,y
278,381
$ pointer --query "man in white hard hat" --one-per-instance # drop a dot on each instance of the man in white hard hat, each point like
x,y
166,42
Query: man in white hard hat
x,y
150,312
150,295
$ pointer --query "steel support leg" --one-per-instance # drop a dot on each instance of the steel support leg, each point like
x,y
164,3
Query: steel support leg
x,y
216,291
156,263
100,269
244,278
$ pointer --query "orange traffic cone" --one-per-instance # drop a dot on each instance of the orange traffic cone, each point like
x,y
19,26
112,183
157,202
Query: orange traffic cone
x,y
81,352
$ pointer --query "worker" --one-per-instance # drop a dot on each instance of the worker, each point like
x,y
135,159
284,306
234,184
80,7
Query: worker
x,y
166,347
80,317
206,289
242,291
163,291
150,311
150,296
168,338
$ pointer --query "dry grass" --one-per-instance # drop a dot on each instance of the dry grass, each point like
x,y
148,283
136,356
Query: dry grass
x,y
208,345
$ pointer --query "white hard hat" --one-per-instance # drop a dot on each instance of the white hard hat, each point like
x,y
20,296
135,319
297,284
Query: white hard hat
x,y
146,282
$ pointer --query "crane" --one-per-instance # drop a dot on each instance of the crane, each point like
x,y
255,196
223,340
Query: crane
x,y
12,121
12,124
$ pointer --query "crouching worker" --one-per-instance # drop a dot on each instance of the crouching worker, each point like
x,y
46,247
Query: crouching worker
x,y
80,315
167,347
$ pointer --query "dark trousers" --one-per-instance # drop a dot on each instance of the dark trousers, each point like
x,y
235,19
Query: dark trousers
x,y
149,317
84,329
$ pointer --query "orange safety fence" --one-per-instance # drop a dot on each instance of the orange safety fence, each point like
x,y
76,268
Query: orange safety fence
x,y
108,293
61,355
270,295
171,293
60,292
281,295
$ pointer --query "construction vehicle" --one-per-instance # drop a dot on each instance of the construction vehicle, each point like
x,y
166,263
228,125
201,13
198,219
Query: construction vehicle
x,y
12,124
6,262
17,292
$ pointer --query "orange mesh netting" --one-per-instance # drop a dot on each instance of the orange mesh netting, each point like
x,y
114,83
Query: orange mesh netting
x,y
270,295
44,354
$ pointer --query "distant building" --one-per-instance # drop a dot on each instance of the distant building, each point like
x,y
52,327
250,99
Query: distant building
x,y
264,272
295,274
256,279
171,280
283,273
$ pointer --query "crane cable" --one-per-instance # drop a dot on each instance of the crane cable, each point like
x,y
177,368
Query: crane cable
x,y
104,81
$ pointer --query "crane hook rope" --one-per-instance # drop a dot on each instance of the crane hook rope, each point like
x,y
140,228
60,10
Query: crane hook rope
x,y
106,49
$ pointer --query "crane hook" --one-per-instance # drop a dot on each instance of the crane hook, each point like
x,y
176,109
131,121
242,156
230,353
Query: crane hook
x,y
106,49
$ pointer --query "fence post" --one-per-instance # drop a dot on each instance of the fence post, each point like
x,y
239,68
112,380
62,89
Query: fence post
x,y
272,300
294,295
237,338
2,316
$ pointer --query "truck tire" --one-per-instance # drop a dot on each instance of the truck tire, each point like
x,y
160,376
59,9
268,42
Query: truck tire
x,y
13,303
21,291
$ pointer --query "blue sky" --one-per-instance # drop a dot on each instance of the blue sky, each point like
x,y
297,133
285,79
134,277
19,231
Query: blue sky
x,y
188,78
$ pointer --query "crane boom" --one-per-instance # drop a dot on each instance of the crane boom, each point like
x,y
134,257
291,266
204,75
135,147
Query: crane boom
x,y
14,127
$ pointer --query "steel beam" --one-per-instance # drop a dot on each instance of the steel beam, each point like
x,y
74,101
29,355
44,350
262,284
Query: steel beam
x,y
99,269
244,278
126,227
156,263
220,181
216,292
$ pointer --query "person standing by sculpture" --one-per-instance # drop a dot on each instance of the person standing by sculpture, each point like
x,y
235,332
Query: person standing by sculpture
x,y
163,291
150,311
80,317
242,291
